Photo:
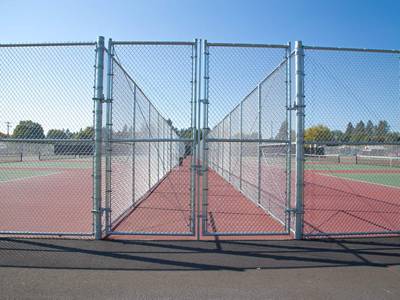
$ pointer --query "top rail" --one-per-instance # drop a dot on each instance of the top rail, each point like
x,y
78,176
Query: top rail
x,y
17,45
171,43
350,49
244,45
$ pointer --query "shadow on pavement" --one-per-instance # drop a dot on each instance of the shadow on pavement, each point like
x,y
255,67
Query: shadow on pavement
x,y
197,255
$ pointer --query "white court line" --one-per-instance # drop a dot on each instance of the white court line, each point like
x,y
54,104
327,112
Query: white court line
x,y
29,177
357,180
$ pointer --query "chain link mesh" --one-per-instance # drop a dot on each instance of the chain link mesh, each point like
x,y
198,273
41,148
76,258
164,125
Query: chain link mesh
x,y
46,148
352,142
150,188
47,140
248,172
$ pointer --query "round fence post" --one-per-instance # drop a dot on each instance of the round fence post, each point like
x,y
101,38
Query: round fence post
x,y
108,136
289,138
299,72
205,136
259,146
98,115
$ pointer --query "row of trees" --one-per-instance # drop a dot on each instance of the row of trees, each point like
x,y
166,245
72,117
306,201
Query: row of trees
x,y
32,130
362,132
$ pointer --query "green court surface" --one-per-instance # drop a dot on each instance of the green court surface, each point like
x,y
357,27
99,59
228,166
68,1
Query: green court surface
x,y
17,174
78,164
339,167
389,179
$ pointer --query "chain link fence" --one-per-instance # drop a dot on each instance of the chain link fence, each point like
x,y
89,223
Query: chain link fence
x,y
46,151
304,142
247,149
352,139
150,192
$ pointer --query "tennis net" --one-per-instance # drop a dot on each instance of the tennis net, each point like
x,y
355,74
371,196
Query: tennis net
x,y
16,157
385,161
328,158
56,156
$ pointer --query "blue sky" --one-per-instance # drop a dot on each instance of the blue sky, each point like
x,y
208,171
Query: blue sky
x,y
351,23
358,23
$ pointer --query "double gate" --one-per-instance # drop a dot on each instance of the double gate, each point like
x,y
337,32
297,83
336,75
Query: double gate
x,y
198,139
168,173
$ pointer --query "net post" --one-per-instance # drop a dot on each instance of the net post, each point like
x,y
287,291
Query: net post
x,y
98,113
299,73
108,136
259,146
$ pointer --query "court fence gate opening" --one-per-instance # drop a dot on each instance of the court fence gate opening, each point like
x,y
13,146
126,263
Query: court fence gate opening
x,y
198,140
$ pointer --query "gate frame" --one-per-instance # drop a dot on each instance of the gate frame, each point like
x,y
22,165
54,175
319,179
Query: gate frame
x,y
97,88
194,105
206,130
302,235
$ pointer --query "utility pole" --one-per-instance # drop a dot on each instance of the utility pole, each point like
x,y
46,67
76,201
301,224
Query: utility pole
x,y
8,128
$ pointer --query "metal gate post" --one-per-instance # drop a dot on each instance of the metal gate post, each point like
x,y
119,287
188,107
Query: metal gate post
x,y
259,147
230,147
289,137
299,64
205,136
222,135
193,168
134,147
108,136
158,147
241,145
98,110
149,156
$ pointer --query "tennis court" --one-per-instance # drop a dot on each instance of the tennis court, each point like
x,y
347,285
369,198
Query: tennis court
x,y
350,194
50,196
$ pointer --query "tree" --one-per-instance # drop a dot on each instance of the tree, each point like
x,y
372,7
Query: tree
x,y
28,130
57,134
392,137
382,131
337,135
318,133
282,133
370,130
87,133
349,132
3,135
359,134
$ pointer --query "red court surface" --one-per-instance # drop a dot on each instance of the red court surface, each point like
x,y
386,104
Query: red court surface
x,y
167,209
56,203
62,203
338,205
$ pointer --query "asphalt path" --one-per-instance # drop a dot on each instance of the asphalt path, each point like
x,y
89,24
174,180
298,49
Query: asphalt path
x,y
314,269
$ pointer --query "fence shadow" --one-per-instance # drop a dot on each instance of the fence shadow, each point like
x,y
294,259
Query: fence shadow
x,y
197,255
